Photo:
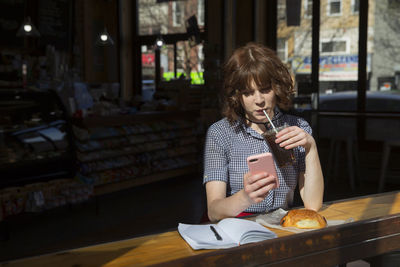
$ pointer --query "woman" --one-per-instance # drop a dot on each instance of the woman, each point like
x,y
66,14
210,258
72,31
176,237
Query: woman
x,y
255,80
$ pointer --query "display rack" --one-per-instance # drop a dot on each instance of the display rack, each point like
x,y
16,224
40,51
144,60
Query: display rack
x,y
36,154
118,152
35,139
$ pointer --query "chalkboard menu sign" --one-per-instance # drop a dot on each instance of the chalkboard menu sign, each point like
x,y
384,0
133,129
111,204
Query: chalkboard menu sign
x,y
54,23
11,18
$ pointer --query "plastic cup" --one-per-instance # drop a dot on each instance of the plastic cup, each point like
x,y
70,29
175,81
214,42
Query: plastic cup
x,y
283,157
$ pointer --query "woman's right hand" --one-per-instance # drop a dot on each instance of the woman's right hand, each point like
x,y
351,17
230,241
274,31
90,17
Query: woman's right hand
x,y
257,186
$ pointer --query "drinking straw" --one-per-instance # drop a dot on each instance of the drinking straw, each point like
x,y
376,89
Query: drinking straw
x,y
273,126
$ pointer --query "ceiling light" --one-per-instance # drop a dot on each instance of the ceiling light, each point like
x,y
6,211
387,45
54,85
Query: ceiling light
x,y
104,39
27,29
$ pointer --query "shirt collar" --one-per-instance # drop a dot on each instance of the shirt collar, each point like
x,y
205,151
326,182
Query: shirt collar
x,y
276,120
278,115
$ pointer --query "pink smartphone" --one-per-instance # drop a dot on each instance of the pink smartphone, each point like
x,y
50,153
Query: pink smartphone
x,y
262,163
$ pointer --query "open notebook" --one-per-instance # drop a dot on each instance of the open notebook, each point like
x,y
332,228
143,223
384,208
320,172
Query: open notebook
x,y
227,233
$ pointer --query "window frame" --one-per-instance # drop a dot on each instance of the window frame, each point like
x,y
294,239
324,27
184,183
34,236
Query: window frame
x,y
175,22
353,5
331,40
169,39
307,7
328,8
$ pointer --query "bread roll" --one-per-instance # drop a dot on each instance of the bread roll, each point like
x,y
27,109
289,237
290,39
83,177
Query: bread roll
x,y
303,219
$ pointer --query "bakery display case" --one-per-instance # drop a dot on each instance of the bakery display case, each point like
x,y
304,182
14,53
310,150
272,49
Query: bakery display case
x,y
48,160
35,139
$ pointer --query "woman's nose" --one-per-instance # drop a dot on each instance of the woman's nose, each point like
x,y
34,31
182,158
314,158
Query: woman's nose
x,y
258,97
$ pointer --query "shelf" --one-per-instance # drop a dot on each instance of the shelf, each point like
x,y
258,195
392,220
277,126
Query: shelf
x,y
105,156
124,141
136,148
118,120
125,165
114,187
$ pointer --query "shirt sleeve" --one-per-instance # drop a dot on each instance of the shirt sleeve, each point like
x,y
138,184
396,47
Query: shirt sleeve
x,y
215,158
301,164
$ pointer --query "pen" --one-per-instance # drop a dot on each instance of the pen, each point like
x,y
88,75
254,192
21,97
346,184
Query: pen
x,y
217,236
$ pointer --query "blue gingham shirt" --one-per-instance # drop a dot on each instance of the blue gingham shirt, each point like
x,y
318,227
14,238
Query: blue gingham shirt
x,y
227,148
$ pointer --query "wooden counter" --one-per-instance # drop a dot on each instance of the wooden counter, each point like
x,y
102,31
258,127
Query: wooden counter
x,y
376,230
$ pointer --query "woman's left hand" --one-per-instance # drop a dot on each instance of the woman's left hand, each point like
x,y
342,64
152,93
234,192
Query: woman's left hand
x,y
294,136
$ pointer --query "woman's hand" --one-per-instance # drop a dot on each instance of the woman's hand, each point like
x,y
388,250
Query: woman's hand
x,y
257,186
294,136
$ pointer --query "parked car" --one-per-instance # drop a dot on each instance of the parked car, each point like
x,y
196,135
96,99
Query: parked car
x,y
377,101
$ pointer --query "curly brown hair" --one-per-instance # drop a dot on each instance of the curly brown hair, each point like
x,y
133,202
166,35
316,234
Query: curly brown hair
x,y
254,62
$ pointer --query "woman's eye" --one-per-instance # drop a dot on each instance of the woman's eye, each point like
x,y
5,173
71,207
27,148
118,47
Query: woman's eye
x,y
248,93
265,90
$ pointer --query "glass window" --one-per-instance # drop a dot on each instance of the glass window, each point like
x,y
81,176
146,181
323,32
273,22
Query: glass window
x,y
339,54
177,58
355,6
281,11
152,17
334,46
338,65
334,7
190,62
148,72
168,16
308,8
148,62
167,63
177,14
383,62
294,49
282,49
200,12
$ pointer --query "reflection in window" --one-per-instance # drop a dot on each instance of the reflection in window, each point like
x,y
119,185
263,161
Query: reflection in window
x,y
334,7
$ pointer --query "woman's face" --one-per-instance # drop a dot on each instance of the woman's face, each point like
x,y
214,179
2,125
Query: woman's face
x,y
254,100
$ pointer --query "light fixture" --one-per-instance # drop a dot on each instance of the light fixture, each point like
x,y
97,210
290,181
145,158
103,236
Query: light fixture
x,y
104,38
159,42
27,29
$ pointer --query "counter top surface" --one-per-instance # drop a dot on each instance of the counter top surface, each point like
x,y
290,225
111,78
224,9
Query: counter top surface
x,y
376,218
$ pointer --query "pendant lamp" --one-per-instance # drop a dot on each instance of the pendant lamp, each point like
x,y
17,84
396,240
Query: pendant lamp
x,y
104,39
27,29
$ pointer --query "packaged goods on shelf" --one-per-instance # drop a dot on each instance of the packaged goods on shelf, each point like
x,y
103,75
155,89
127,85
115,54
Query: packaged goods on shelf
x,y
129,151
